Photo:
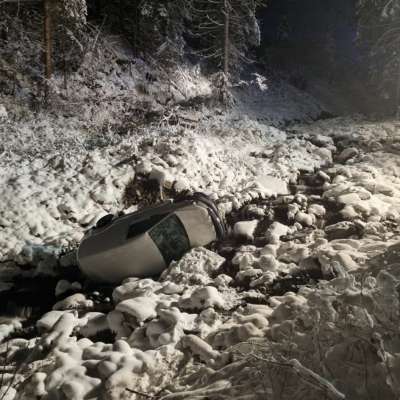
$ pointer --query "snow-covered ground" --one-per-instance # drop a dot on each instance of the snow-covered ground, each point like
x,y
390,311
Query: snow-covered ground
x,y
301,302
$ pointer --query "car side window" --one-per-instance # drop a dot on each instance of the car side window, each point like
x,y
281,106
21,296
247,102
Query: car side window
x,y
171,238
139,227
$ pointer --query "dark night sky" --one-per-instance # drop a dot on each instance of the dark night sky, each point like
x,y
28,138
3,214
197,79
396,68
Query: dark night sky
x,y
309,21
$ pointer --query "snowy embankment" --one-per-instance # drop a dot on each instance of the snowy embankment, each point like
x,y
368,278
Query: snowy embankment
x,y
55,198
312,312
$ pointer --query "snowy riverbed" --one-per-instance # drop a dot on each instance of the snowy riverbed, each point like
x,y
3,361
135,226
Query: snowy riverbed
x,y
302,302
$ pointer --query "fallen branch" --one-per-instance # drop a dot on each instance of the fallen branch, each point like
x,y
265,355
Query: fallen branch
x,y
307,375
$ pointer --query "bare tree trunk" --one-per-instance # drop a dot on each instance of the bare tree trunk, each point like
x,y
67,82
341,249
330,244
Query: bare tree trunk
x,y
65,72
398,94
226,37
47,36
136,34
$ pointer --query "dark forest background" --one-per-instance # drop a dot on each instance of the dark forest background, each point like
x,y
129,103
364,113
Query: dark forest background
x,y
345,42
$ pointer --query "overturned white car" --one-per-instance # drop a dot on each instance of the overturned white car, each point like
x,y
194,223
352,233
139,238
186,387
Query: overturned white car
x,y
143,244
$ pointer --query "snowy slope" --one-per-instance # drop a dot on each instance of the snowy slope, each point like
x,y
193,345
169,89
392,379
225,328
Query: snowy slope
x,y
276,102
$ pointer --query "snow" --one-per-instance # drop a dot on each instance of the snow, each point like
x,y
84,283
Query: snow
x,y
245,228
274,185
277,104
3,112
202,298
201,348
48,320
96,323
213,324
75,301
8,393
142,308
197,266
8,328
277,230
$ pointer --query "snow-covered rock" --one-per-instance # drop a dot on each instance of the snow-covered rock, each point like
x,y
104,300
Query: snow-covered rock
x,y
346,154
203,297
272,185
48,320
142,308
197,266
245,229
3,112
74,302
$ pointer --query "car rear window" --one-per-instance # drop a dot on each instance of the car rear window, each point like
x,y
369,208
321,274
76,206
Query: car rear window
x,y
171,238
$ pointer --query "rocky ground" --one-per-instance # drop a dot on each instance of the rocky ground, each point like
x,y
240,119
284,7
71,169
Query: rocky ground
x,y
300,301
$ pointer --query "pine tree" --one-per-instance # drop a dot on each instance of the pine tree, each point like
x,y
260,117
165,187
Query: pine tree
x,y
379,33
63,22
161,30
226,30
69,26
154,28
